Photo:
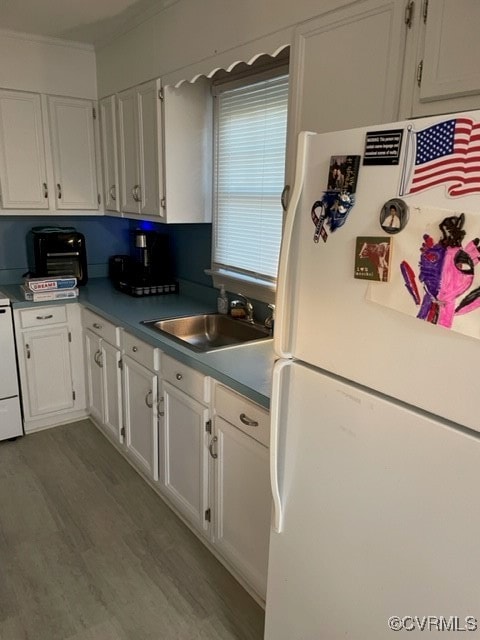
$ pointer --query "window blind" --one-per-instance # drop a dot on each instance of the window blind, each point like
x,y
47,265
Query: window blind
x,y
251,126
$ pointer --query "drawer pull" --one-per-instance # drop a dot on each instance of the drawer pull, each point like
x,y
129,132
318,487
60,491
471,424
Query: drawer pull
x,y
179,376
96,325
210,447
149,399
248,421
47,317
134,349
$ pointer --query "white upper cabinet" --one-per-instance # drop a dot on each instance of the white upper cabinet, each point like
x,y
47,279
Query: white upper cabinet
x,y
187,115
108,128
165,151
139,112
23,172
73,152
443,74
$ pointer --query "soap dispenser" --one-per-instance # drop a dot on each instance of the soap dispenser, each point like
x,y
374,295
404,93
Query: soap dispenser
x,y
222,300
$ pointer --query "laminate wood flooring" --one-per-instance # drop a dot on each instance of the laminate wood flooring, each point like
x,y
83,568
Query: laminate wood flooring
x,y
88,551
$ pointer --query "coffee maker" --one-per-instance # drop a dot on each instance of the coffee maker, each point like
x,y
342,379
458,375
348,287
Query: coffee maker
x,y
148,268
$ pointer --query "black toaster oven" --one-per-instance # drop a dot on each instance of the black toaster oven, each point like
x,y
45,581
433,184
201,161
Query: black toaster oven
x,y
57,251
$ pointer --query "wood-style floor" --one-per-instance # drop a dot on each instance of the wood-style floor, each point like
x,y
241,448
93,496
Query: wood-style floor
x,y
88,551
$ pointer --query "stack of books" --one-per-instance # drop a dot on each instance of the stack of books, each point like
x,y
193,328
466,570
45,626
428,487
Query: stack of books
x,y
47,289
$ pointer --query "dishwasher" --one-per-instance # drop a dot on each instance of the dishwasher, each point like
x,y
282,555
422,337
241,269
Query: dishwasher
x,y
10,414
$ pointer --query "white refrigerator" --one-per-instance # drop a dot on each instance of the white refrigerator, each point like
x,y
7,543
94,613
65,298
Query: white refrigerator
x,y
375,443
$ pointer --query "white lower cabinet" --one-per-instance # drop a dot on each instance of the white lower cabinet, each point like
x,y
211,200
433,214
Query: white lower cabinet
x,y
104,376
141,415
51,365
184,445
243,502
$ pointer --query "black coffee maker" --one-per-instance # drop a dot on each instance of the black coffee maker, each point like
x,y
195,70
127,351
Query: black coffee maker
x,y
148,269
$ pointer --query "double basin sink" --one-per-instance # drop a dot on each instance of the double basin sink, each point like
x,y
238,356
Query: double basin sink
x,y
209,331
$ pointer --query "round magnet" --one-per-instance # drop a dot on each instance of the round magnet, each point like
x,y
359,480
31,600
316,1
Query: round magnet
x,y
394,215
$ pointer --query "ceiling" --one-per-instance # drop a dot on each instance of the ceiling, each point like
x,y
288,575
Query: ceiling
x,y
88,21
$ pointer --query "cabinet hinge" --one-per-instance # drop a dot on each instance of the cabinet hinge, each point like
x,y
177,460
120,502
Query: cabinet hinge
x,y
99,198
69,336
208,426
74,395
419,72
120,364
160,94
208,515
425,10
94,113
122,431
409,13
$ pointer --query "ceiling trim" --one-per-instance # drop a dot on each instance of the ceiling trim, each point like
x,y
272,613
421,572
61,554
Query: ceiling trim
x,y
32,37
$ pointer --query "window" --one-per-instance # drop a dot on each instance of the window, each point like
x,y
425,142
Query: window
x,y
250,142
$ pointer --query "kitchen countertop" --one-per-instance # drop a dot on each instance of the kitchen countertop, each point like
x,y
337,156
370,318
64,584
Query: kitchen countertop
x,y
245,368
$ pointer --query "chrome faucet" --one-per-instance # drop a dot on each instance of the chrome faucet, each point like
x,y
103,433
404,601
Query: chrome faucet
x,y
269,320
243,304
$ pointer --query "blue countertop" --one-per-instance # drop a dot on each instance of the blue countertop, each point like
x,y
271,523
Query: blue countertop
x,y
246,368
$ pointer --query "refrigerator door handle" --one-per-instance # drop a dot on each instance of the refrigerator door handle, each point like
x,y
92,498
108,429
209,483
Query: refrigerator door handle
x,y
274,432
280,339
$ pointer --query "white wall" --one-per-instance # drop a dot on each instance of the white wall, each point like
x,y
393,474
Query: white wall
x,y
191,31
44,65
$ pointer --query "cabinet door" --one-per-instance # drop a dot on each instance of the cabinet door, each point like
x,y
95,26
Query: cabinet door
x,y
188,140
141,422
149,147
242,503
444,76
93,353
23,175
73,150
108,124
48,371
128,139
112,389
346,69
184,476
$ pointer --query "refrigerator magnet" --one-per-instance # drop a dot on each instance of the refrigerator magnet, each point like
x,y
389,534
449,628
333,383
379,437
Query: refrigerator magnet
x,y
394,216
373,258
331,211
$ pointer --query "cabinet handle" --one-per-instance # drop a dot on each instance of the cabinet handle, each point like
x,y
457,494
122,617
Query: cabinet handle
x,y
96,325
148,402
179,376
59,191
160,407
27,349
45,190
210,447
135,193
284,197
47,317
98,358
248,421
134,349
113,192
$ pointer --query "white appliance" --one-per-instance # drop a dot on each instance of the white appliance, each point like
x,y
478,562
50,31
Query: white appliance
x,y
375,450
10,415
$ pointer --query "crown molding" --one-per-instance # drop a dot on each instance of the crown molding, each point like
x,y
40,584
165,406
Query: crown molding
x,y
32,37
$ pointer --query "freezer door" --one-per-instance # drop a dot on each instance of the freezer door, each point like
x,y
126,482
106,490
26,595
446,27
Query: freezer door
x,y
323,316
380,514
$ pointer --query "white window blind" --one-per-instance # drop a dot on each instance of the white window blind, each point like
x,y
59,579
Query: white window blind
x,y
251,126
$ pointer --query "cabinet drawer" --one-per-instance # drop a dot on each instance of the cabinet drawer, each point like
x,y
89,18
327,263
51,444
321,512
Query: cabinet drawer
x,y
41,316
103,328
142,352
192,382
247,416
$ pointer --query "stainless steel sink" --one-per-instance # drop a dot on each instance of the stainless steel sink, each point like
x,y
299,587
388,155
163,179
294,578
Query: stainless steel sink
x,y
209,331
